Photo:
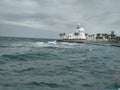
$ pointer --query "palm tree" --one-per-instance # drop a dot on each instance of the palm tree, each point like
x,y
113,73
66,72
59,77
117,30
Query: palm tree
x,y
64,34
86,35
112,35
76,33
89,36
98,35
103,35
106,35
117,39
61,34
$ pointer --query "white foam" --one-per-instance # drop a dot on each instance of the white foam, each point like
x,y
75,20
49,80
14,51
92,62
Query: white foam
x,y
52,42
66,43
46,44
90,49
118,88
38,44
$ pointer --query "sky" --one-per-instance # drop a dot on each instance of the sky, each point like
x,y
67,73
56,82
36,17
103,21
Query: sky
x,y
48,18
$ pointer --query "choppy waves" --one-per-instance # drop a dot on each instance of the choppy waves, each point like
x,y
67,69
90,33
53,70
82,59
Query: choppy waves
x,y
49,65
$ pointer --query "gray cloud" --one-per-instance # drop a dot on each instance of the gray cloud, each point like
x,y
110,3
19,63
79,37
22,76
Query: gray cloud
x,y
58,16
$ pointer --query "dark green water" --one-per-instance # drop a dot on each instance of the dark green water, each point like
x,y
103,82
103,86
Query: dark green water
x,y
43,64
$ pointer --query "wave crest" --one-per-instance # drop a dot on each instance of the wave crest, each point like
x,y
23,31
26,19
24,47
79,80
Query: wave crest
x,y
44,84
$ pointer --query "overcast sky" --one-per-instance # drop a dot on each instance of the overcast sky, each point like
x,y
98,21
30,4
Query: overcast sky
x,y
48,18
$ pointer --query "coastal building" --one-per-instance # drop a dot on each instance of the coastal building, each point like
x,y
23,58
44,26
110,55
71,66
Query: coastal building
x,y
98,39
79,34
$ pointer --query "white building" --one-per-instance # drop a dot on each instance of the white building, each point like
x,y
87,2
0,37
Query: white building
x,y
80,34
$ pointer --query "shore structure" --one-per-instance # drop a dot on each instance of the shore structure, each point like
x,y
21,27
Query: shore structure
x,y
81,37
80,34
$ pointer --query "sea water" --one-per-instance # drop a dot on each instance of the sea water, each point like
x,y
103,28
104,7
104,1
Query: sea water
x,y
44,64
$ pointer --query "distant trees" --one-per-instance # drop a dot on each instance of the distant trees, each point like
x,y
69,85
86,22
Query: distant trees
x,y
62,35
76,33
103,36
98,36
90,36
110,37
118,38
86,35
106,35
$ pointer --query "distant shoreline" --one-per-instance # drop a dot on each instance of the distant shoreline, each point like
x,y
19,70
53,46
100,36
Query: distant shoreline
x,y
26,37
94,42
